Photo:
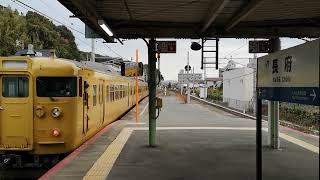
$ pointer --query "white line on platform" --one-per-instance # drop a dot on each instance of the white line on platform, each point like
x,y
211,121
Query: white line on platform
x,y
135,123
144,109
199,128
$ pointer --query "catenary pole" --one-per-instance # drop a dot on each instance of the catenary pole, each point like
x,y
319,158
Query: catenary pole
x,y
152,91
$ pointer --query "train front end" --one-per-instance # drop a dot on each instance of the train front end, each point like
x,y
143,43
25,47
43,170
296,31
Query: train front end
x,y
38,105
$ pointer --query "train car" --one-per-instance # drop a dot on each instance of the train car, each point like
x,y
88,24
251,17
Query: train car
x,y
50,106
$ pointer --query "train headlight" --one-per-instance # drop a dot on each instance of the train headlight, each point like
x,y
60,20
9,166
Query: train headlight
x,y
56,112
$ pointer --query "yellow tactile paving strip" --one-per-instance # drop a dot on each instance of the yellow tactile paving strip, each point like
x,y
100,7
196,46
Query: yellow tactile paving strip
x,y
104,164
301,143
298,142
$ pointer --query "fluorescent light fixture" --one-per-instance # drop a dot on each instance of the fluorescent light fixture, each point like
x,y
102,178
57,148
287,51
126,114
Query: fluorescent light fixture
x,y
105,27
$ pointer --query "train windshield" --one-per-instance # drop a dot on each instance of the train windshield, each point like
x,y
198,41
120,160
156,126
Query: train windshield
x,y
56,86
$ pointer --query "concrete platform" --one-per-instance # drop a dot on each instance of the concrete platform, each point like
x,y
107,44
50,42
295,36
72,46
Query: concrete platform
x,y
194,141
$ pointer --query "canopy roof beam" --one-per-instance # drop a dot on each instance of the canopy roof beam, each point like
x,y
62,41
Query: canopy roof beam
x,y
215,8
243,13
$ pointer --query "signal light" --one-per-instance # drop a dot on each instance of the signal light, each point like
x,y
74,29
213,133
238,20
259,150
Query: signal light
x,y
56,133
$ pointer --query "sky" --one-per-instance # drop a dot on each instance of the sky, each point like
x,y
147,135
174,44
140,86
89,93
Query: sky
x,y
170,64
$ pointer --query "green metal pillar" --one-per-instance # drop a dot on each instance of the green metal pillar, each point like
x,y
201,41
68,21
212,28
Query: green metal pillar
x,y
273,112
152,91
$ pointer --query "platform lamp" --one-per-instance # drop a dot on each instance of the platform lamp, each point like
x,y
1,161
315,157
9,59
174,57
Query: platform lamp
x,y
105,27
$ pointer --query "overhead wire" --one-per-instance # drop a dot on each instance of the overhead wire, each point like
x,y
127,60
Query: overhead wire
x,y
53,19
236,49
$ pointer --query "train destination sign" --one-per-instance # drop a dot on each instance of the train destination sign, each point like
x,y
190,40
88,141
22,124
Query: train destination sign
x,y
166,46
262,46
291,75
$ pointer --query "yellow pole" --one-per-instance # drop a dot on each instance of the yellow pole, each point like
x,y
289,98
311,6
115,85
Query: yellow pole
x,y
137,91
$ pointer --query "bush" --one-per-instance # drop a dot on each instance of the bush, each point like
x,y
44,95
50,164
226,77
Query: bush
x,y
302,116
214,94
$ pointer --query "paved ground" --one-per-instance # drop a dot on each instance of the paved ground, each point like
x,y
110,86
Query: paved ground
x,y
194,141
187,153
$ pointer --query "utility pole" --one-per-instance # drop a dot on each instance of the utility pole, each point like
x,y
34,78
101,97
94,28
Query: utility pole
x,y
205,77
92,50
193,77
188,81
137,90
273,111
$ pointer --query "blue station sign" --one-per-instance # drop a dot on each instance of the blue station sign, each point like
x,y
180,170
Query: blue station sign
x,y
290,75
301,95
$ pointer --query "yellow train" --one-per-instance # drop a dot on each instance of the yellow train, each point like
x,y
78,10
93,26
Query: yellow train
x,y
50,106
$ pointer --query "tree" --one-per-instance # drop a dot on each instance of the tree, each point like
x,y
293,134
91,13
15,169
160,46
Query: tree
x,y
67,47
12,30
17,30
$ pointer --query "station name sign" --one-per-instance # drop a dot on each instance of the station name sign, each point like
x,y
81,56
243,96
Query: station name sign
x,y
291,75
166,46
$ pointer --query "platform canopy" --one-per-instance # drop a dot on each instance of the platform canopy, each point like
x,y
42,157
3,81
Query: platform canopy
x,y
200,18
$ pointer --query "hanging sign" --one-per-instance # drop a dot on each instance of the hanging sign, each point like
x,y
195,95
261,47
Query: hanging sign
x,y
166,46
291,75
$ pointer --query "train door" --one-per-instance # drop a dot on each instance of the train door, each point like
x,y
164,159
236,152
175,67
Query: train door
x,y
16,112
85,107
128,94
102,101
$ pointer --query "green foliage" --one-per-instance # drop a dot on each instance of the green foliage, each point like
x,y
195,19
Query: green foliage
x,y
197,92
215,94
37,30
305,117
67,48
12,28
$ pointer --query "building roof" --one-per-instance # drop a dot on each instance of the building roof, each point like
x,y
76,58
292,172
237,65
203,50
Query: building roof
x,y
214,79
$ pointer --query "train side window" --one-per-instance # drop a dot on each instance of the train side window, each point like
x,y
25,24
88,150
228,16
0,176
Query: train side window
x,y
101,93
111,93
94,95
117,92
107,93
122,91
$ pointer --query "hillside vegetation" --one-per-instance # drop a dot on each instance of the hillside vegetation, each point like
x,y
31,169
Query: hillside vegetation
x,y
18,30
